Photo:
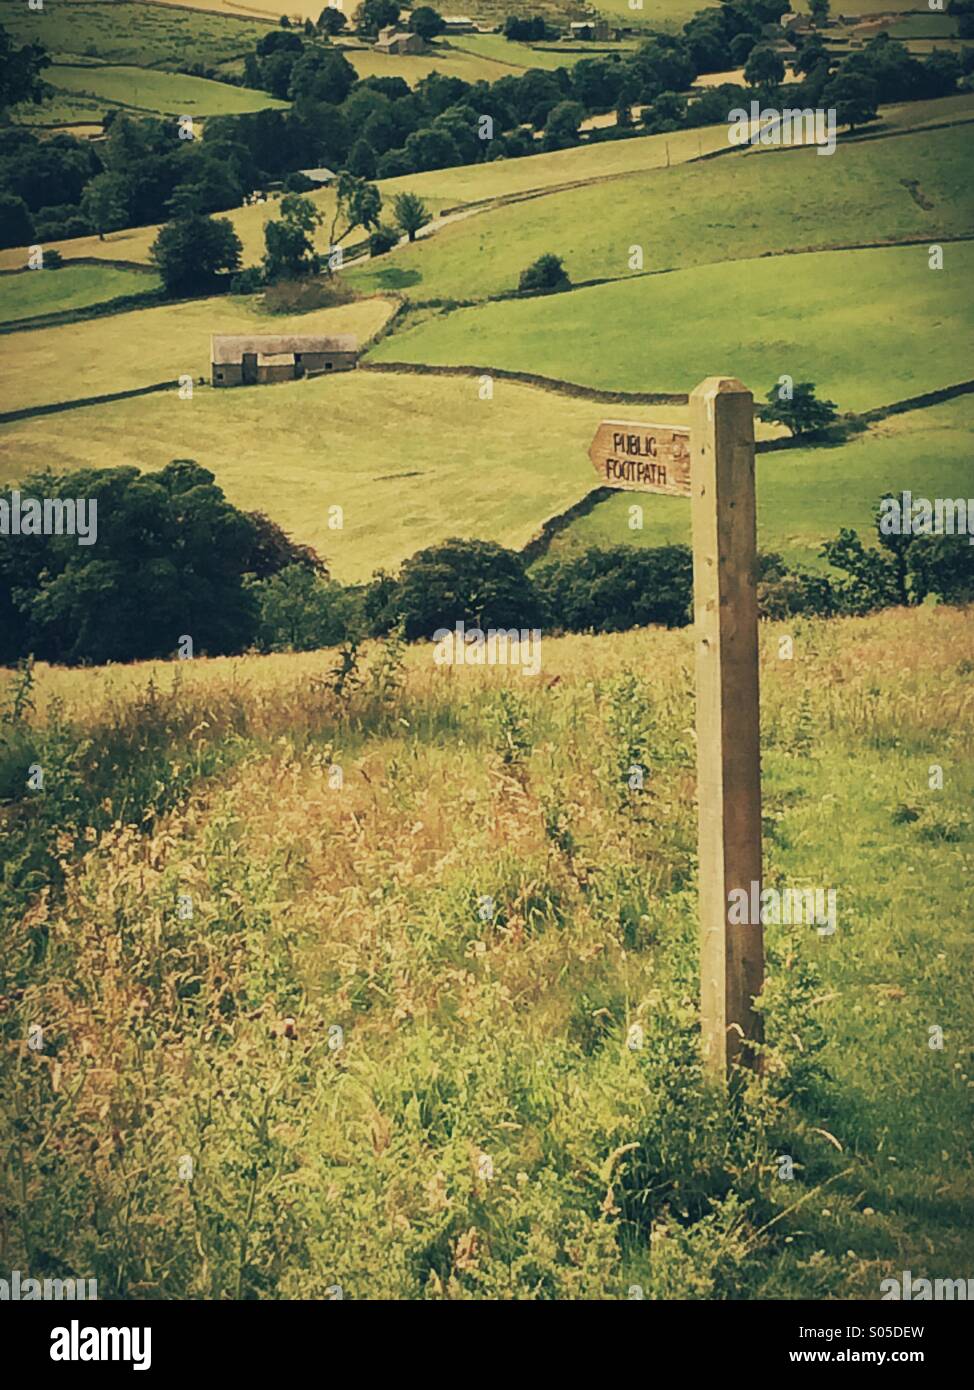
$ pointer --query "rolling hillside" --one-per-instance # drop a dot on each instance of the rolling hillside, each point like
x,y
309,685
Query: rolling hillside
x,y
702,212
86,92
840,319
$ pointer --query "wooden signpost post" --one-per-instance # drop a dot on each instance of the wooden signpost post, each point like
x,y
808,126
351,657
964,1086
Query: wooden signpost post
x,y
712,463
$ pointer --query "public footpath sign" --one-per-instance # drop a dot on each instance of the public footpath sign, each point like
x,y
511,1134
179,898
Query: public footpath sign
x,y
712,463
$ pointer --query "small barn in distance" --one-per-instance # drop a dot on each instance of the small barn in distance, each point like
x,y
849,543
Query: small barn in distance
x,y
251,361
393,40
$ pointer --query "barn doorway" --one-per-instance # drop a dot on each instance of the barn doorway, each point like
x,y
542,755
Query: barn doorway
x,y
250,369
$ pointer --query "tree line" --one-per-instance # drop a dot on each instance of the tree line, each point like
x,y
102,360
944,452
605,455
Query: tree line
x,y
175,562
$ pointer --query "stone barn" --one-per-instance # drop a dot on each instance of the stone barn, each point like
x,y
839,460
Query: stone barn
x,y
393,40
240,361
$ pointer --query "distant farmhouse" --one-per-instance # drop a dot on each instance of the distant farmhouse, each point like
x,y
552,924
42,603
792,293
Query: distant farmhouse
x,y
458,24
393,40
238,361
597,29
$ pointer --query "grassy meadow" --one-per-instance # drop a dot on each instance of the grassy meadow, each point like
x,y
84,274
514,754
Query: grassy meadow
x,y
32,292
360,972
126,31
698,214
444,58
840,319
395,1034
406,484
513,54
79,91
395,452
667,15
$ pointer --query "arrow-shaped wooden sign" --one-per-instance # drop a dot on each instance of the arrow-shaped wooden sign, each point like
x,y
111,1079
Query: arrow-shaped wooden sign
x,y
642,458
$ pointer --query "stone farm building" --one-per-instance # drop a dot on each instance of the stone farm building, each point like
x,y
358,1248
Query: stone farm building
x,y
597,29
238,361
393,40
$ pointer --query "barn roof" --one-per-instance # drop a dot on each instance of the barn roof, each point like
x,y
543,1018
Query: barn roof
x,y
232,348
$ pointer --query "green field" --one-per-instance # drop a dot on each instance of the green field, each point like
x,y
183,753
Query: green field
x,y
71,287
865,7
442,188
80,91
696,214
394,451
471,183
125,351
924,26
403,483
121,32
868,327
806,495
271,10
527,55
667,15
450,60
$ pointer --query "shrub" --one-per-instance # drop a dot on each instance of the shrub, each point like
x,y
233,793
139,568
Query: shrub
x,y
411,213
61,223
298,183
302,611
248,281
191,253
394,164
944,566
614,588
785,593
797,408
299,296
474,582
546,274
16,223
383,239
273,550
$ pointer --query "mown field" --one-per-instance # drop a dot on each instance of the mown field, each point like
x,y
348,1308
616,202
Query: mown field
x,y
147,35
806,495
512,53
447,59
411,460
395,450
667,15
84,90
70,287
117,353
270,10
698,214
433,1034
868,327
403,483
